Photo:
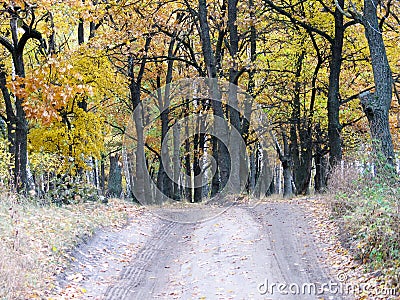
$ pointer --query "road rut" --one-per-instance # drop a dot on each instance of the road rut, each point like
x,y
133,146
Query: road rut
x,y
261,252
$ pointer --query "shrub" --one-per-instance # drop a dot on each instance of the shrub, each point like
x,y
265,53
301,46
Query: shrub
x,y
56,184
71,190
367,205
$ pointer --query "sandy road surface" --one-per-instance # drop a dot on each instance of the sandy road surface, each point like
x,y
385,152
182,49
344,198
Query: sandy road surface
x,y
261,252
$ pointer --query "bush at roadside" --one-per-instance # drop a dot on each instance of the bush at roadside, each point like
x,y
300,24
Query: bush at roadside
x,y
367,205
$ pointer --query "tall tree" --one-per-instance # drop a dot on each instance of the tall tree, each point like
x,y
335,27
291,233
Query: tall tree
x,y
375,105
19,18
234,116
164,183
336,42
142,184
334,127
210,61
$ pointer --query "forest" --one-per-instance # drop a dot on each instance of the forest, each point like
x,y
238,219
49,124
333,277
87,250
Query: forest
x,y
325,76
166,102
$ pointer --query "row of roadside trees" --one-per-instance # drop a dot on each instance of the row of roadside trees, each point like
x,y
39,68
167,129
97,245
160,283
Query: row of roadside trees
x,y
73,73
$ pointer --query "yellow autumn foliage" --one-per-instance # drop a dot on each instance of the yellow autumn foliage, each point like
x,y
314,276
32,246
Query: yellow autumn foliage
x,y
63,99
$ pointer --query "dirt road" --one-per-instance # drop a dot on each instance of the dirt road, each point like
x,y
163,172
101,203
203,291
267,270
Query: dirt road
x,y
261,252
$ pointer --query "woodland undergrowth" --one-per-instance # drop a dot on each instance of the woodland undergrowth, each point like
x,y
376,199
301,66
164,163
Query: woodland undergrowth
x,y
367,207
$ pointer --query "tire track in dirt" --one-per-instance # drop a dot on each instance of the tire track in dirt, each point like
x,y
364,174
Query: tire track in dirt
x,y
96,263
134,281
229,256
232,255
295,252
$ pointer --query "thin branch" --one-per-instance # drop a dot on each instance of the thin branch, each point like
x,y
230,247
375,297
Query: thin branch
x,y
298,22
352,122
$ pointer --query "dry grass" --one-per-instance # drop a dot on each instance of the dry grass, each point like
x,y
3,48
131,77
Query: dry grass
x,y
342,181
367,210
35,241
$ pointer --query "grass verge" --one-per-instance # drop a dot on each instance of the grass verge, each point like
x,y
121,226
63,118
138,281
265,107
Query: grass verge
x,y
367,211
35,241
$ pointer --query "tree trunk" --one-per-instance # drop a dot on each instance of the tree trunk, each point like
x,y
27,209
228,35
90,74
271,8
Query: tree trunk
x,y
81,32
188,169
252,177
271,189
9,111
202,140
321,167
334,126
265,176
215,182
248,105
95,173
176,161
114,178
92,30
102,175
197,193
21,133
234,116
278,179
376,105
142,186
287,170
284,157
3,128
378,119
300,138
321,162
16,48
198,144
302,162
164,183
127,173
